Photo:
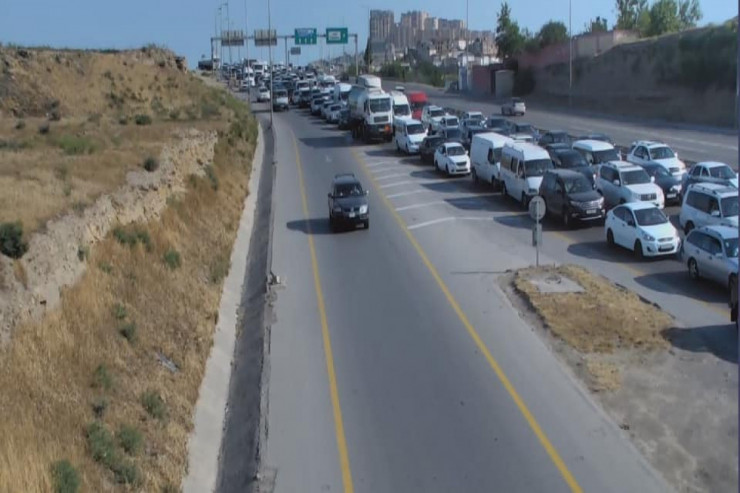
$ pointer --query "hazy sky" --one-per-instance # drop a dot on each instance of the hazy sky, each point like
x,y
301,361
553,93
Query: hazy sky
x,y
186,25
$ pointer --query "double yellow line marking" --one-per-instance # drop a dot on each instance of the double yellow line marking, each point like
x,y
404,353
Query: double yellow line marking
x,y
531,421
331,372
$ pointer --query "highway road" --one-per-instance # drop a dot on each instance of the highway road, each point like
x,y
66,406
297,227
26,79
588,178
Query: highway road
x,y
691,143
396,362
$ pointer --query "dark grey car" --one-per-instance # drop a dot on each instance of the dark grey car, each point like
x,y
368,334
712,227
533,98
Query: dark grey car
x,y
348,204
670,184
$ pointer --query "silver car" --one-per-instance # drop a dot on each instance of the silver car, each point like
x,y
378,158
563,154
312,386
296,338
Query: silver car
x,y
711,252
515,106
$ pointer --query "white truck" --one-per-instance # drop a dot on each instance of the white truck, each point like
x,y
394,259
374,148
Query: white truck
x,y
341,92
370,110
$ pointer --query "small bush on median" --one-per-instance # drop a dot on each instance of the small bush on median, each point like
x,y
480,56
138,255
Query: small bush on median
x,y
99,406
20,125
101,445
151,164
132,236
12,243
154,404
130,439
65,477
73,145
44,128
172,258
119,311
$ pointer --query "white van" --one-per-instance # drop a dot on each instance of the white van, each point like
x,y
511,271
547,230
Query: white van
x,y
485,154
522,167
409,135
368,80
596,152
341,92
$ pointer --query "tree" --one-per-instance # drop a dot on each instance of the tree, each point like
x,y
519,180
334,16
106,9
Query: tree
x,y
552,33
663,18
597,25
509,38
689,13
628,13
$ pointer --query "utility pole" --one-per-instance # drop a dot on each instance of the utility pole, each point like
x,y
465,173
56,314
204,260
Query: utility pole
x,y
246,33
228,24
570,53
357,66
269,52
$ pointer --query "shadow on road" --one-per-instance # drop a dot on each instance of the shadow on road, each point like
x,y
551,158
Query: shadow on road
x,y
317,226
514,220
719,340
473,203
678,282
425,173
448,184
383,152
600,250
324,142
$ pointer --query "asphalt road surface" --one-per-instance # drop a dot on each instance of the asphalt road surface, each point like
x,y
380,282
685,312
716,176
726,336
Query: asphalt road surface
x,y
397,364
692,143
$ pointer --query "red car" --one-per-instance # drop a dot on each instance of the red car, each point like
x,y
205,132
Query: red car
x,y
417,100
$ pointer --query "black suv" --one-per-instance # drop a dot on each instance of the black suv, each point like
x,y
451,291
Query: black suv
x,y
573,160
569,195
348,202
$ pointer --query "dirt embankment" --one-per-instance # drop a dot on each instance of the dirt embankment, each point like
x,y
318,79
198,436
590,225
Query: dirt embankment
x,y
127,177
685,77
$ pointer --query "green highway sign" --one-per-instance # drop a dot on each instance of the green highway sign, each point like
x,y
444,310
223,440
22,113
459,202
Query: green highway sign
x,y
305,36
336,35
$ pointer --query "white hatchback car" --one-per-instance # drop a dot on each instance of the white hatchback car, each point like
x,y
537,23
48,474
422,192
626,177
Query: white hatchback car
x,y
647,152
642,228
452,158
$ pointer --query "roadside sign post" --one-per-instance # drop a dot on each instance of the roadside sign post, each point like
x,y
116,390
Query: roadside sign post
x,y
537,212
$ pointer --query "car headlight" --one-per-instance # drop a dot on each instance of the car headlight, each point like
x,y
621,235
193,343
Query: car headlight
x,y
676,188
575,203
647,237
363,209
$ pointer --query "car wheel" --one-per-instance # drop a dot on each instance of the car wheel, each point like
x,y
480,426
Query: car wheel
x,y
693,269
566,219
332,224
524,200
398,148
448,170
610,238
638,250
504,192
475,176
688,227
367,224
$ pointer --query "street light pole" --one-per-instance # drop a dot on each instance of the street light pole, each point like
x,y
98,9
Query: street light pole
x,y
246,33
570,52
269,52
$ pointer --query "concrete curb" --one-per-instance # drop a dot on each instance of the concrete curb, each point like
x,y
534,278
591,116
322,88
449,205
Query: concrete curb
x,y
210,411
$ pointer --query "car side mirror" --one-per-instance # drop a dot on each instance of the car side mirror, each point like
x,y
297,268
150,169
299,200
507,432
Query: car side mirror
x,y
367,192
652,179
330,195
617,182
714,213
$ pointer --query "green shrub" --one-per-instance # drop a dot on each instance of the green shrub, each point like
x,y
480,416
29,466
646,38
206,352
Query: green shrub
x,y
65,477
123,120
151,164
154,404
119,311
128,331
126,472
82,253
172,258
132,236
170,488
211,175
44,128
73,145
99,406
174,114
101,445
130,439
219,269
524,82
12,243
143,119
20,125
102,378
209,110
55,115
105,267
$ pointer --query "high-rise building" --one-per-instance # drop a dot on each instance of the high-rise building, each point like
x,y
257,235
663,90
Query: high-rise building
x,y
431,24
381,24
414,19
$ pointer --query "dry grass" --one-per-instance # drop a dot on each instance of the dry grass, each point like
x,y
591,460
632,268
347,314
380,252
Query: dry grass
x,y
32,189
47,372
604,376
602,319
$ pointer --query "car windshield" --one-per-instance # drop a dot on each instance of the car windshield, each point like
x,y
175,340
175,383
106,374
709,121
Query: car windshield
x,y
401,110
572,159
436,113
634,177
525,129
516,100
455,151
729,206
379,105
495,123
559,137
452,122
731,247
348,190
453,133
723,172
475,118
650,217
415,129
657,171
606,156
433,141
577,185
661,153
537,167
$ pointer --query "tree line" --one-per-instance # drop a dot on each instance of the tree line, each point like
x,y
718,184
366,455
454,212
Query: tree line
x,y
661,17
